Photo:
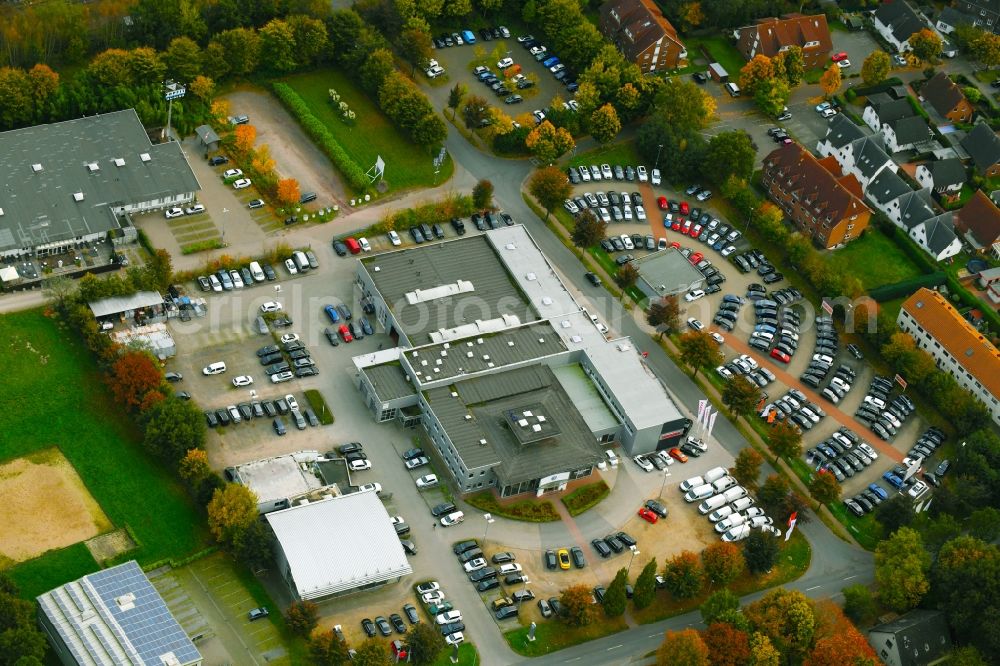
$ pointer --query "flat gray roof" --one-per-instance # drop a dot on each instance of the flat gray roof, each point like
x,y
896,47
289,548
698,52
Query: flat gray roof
x,y
43,167
489,401
668,272
389,381
585,397
442,286
118,304
442,361
280,477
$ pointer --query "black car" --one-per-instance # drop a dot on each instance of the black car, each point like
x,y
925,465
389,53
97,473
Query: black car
x,y
463,546
339,247
331,336
502,558
218,160
699,77
269,409
397,623
593,279
368,627
486,585
298,353
443,509
942,469
211,419
271,359
599,593
223,416
411,613
451,628
483,574
352,447
550,559
578,560
416,235
506,612
470,555
601,547
626,539
515,579
458,226
269,272
656,508
383,626
173,377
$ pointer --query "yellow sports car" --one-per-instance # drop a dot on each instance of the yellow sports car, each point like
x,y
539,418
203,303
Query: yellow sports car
x,y
563,558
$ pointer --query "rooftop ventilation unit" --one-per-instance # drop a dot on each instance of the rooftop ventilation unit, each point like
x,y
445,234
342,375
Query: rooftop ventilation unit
x,y
1,212
78,196
36,167
531,276
119,162
93,166
576,338
565,323
144,157
468,417
510,343
546,300
482,442
541,341
454,394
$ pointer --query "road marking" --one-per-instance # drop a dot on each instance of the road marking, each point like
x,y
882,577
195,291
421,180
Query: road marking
x,y
653,635
850,577
573,659
813,587
615,647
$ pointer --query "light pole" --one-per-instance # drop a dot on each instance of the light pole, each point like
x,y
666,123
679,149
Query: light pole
x,y
635,551
656,165
666,475
172,91
488,517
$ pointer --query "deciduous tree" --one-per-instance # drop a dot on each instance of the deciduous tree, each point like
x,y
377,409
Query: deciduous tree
x,y
901,568
426,643
824,487
837,641
859,604
194,467
771,96
967,587
604,124
327,649
926,44
729,154
548,143
311,38
232,510
455,96
831,80
740,395
664,315
786,617
627,276
770,223
699,350
762,651
727,645
758,70
372,653
894,513
876,67
966,656
416,46
241,47
288,191
723,562
683,575
614,598
183,59
132,377
720,604
682,647
578,604
645,585
550,187
244,137
683,105
772,494
984,524
482,194
588,229
760,550
277,41
785,440
792,64
746,467
302,617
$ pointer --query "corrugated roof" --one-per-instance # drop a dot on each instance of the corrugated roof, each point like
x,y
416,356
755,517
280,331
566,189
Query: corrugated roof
x,y
389,381
339,544
117,304
958,337
79,156
668,272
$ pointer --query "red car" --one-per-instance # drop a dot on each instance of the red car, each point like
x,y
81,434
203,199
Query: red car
x,y
662,203
837,57
695,258
675,245
696,231
686,227
678,456
780,356
676,225
685,209
648,515
345,333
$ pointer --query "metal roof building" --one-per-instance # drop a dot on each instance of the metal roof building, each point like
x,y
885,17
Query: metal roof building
x,y
68,182
114,617
118,305
666,273
337,545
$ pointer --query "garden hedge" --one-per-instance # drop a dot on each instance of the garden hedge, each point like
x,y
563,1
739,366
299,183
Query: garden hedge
x,y
321,134
888,292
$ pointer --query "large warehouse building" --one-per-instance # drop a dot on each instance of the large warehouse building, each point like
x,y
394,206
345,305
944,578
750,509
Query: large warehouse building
x,y
75,182
490,339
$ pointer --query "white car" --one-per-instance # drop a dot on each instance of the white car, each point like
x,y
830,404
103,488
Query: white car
x,y
231,173
535,50
917,489
419,461
643,463
398,520
281,377
428,481
449,616
753,512
195,208
728,250
655,177
759,521
377,487
242,380
434,72
365,245
242,183
868,450
290,266
176,211
695,324
606,172
432,597
504,63
720,513
431,586
641,172
394,239
456,638
293,404
271,306
738,533
828,113
844,64
822,106
665,457
473,565
571,206
640,213
237,279
539,116
359,465
742,504
627,242
214,368
453,518
289,337
717,337
694,295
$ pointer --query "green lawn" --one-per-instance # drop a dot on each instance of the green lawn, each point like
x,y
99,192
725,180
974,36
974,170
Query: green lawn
x,y
467,656
551,636
406,164
616,153
721,51
876,260
61,401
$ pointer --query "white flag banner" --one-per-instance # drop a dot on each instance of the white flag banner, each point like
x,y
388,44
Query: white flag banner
x,y
792,519
711,424
913,468
702,404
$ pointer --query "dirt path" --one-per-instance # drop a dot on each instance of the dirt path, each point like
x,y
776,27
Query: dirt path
x,y
294,153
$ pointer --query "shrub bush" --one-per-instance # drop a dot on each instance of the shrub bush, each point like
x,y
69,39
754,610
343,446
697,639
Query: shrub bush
x,y
319,133
532,511
319,406
890,291
435,212
585,497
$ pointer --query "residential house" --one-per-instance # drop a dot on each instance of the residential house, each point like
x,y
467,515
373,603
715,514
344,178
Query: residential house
x,y
990,281
918,638
820,201
899,124
983,145
937,236
771,36
857,153
979,222
944,177
984,13
911,208
950,18
884,190
947,98
896,22
964,353
643,35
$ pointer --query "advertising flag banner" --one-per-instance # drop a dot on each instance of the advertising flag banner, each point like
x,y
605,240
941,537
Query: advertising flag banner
x,y
701,409
792,519
711,423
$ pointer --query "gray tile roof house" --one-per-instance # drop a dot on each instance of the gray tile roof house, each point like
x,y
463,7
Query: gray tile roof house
x,y
915,207
918,638
887,186
939,233
64,182
910,130
841,131
950,18
948,172
983,146
870,155
899,21
888,109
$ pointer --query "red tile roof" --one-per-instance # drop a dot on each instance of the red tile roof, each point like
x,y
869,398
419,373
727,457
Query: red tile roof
x,y
982,217
790,30
818,183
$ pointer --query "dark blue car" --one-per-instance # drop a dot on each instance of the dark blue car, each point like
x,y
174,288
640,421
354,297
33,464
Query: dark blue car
x,y
878,490
893,480
331,312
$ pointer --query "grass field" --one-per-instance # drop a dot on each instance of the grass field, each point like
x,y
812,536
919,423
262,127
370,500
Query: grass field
x,y
616,153
721,50
467,656
61,401
876,260
553,636
406,164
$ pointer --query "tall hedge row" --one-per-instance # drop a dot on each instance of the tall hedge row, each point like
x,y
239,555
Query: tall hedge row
x,y
319,133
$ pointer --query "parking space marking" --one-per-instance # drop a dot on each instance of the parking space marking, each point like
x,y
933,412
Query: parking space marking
x,y
615,647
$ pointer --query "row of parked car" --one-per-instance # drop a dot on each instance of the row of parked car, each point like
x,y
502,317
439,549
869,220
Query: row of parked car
x,y
778,337
842,454
727,504
884,416
840,384
542,55
615,543
290,359
755,260
627,173
272,409
447,619
746,366
827,347
613,206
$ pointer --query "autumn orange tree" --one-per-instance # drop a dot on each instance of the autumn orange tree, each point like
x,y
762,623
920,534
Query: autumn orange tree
x,y
727,645
288,191
759,70
245,137
723,562
831,80
580,610
133,377
786,618
682,647
837,640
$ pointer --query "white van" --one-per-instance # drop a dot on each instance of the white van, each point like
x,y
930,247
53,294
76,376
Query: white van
x,y
729,522
724,484
301,261
256,272
732,89
699,493
713,502
741,504
693,482
735,493
612,458
715,474
216,368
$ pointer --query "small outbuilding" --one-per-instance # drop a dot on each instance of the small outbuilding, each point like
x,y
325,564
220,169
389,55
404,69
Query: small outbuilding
x,y
209,139
718,72
667,273
141,306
